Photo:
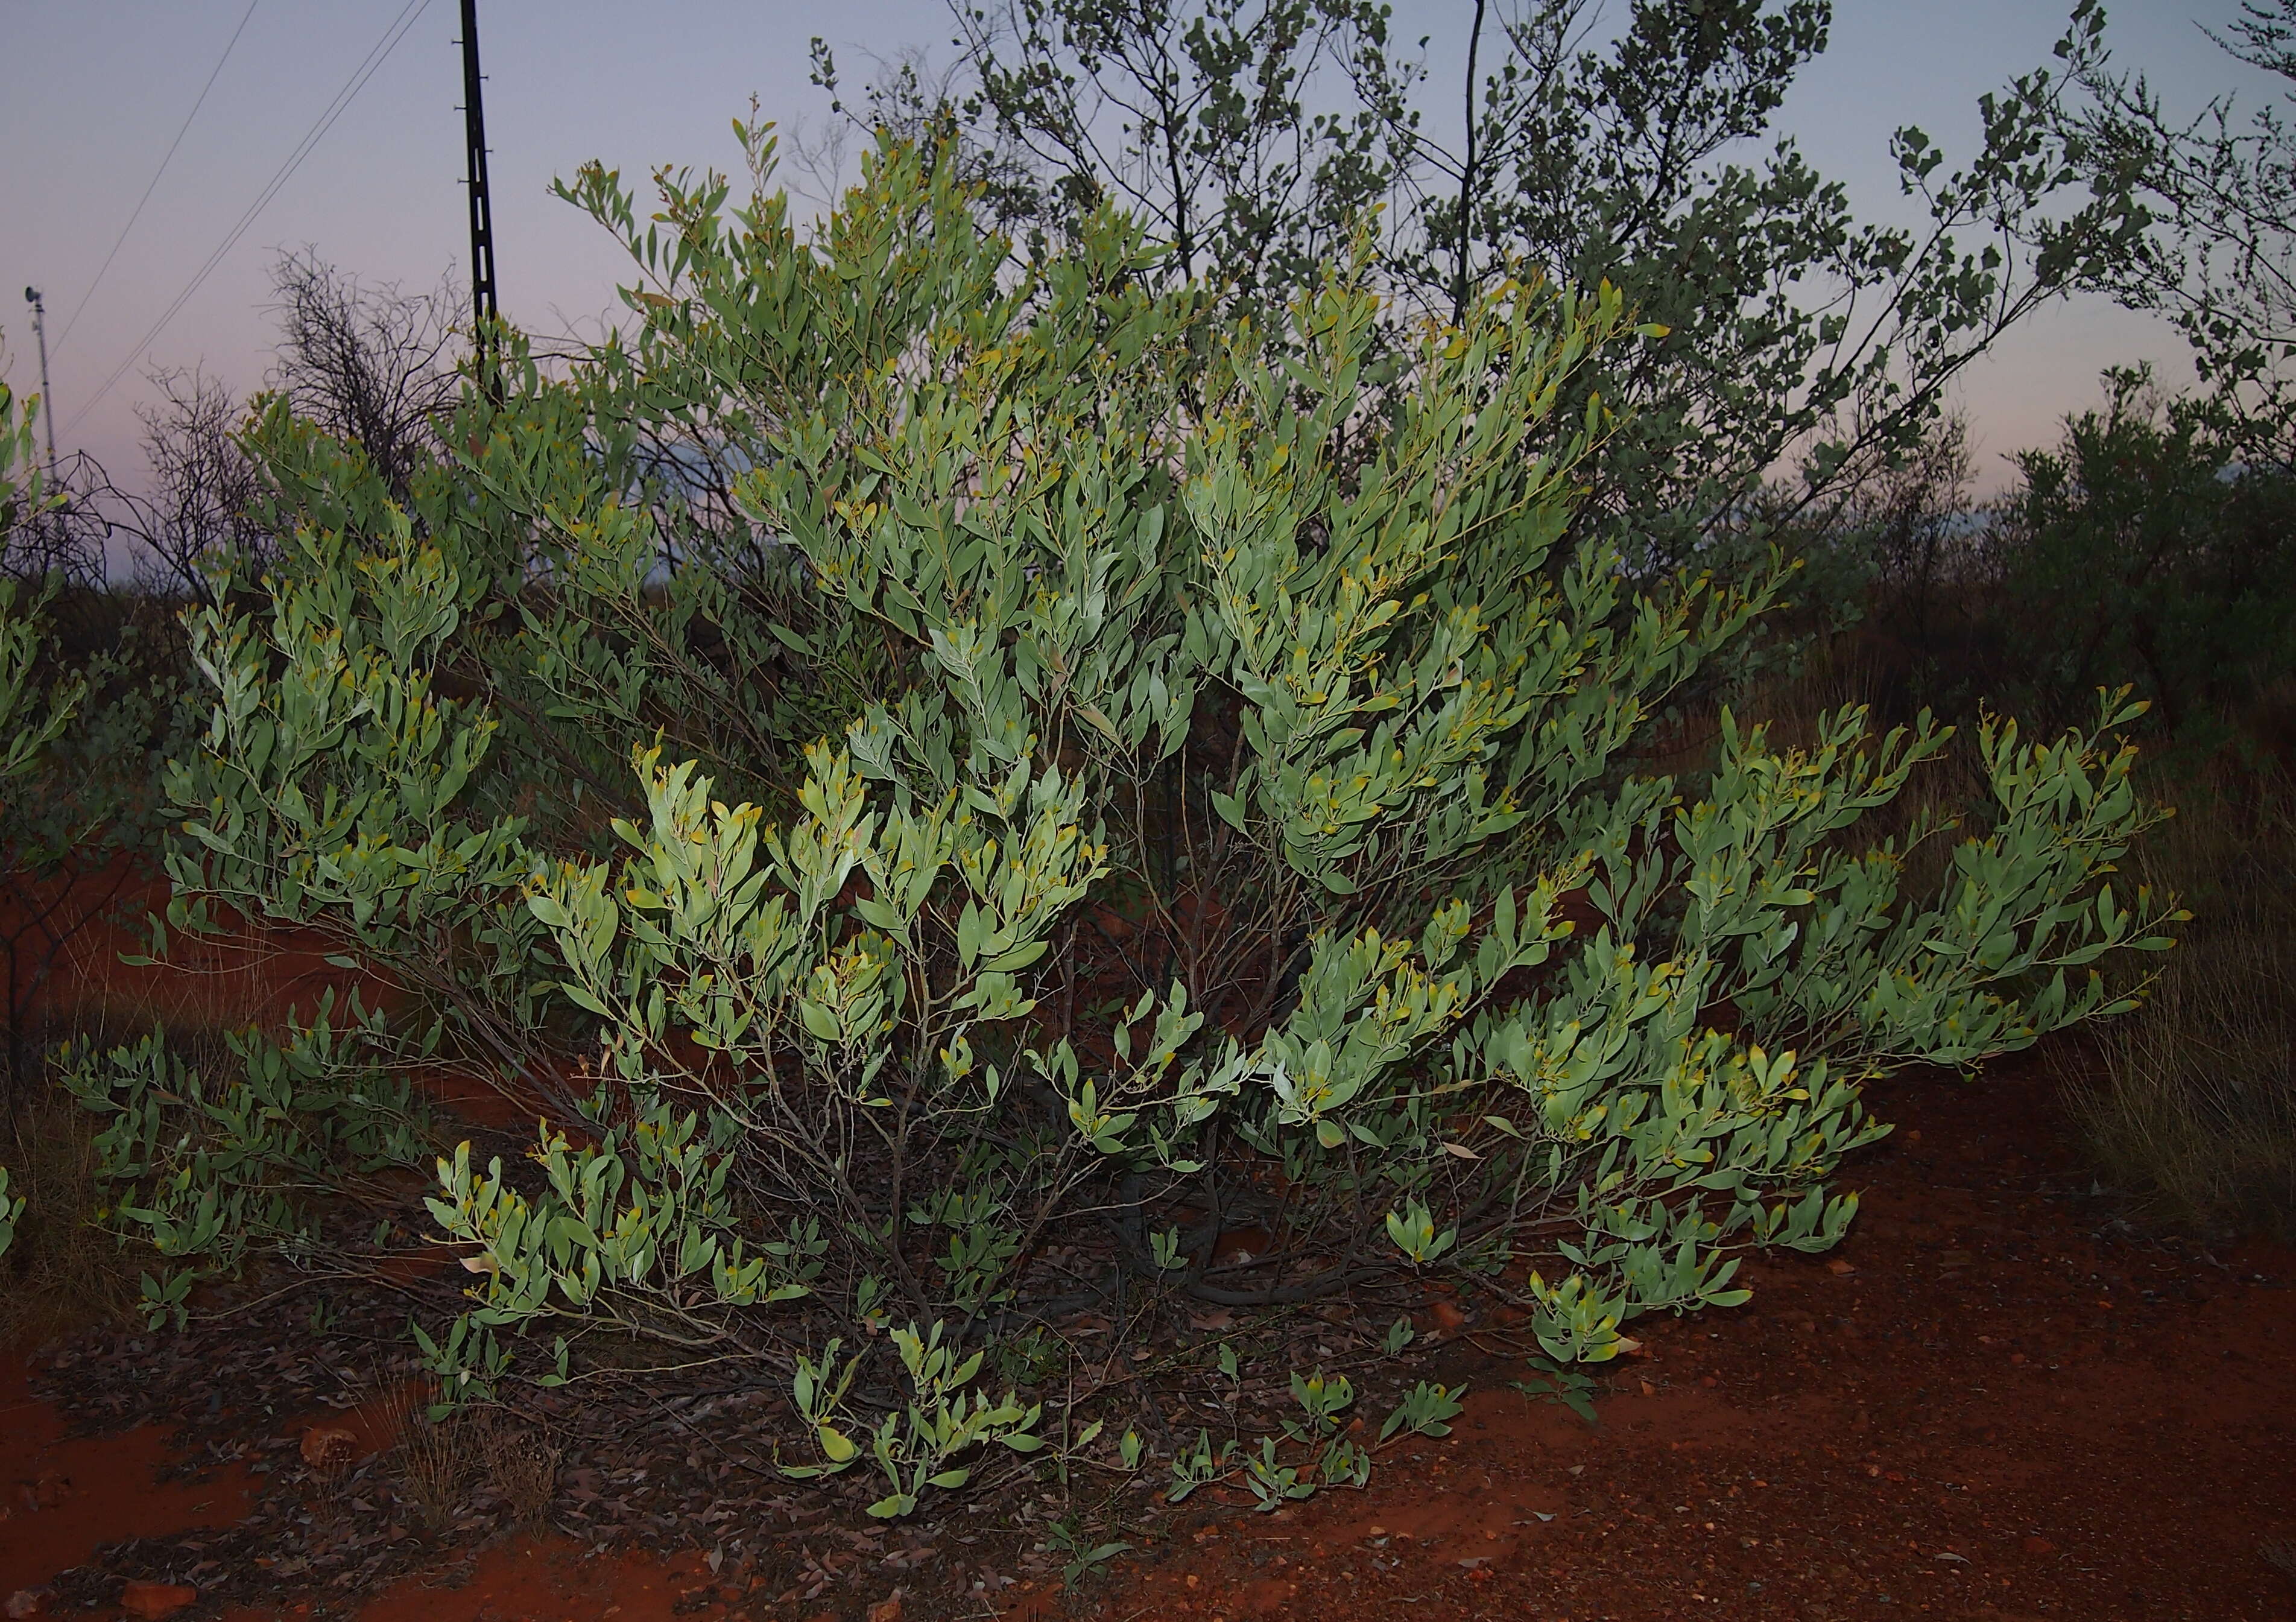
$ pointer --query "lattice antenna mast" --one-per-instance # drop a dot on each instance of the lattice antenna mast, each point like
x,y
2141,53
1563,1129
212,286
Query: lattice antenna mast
x,y
48,400
485,312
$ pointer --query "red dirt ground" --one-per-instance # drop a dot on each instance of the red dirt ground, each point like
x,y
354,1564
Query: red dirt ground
x,y
1995,1401
67,1496
2007,1407
1993,1413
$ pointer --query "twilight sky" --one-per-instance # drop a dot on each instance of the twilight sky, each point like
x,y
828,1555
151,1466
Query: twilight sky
x,y
92,92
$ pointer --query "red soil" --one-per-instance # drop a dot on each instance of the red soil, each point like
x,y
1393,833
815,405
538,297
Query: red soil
x,y
67,1496
1995,1413
249,973
1992,1413
536,1579
1993,1402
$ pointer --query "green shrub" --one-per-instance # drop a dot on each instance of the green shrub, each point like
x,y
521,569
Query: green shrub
x,y
2144,547
955,783
80,814
26,726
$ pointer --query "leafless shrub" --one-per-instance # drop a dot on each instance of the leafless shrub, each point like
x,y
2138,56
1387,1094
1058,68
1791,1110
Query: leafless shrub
x,y
61,539
204,490
368,363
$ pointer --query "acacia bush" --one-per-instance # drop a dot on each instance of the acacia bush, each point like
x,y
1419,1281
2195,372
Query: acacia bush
x,y
30,720
953,785
91,702
2145,545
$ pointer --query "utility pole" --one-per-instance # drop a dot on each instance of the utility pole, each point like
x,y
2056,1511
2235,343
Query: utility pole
x,y
484,310
48,400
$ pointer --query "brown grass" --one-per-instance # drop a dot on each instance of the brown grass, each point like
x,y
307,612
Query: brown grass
x,y
521,1466
444,1465
437,1467
65,1272
2189,1106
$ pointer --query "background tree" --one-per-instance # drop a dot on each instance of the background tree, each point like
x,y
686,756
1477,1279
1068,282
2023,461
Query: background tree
x,y
2219,256
2147,544
1231,129
1251,137
205,494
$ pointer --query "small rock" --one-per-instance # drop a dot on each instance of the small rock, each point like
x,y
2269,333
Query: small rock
x,y
1838,1267
152,1601
26,1603
886,1611
2039,1545
327,1446
1447,1315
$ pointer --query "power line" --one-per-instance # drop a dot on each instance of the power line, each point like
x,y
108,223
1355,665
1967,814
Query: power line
x,y
72,319
373,60
400,26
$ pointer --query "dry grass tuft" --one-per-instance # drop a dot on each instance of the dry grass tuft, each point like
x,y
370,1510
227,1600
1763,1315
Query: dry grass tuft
x,y
65,1272
521,1466
438,1466
2189,1106
445,1464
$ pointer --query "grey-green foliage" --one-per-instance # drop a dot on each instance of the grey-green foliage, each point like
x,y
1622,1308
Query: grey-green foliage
x,y
27,724
248,1161
1197,787
1640,147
